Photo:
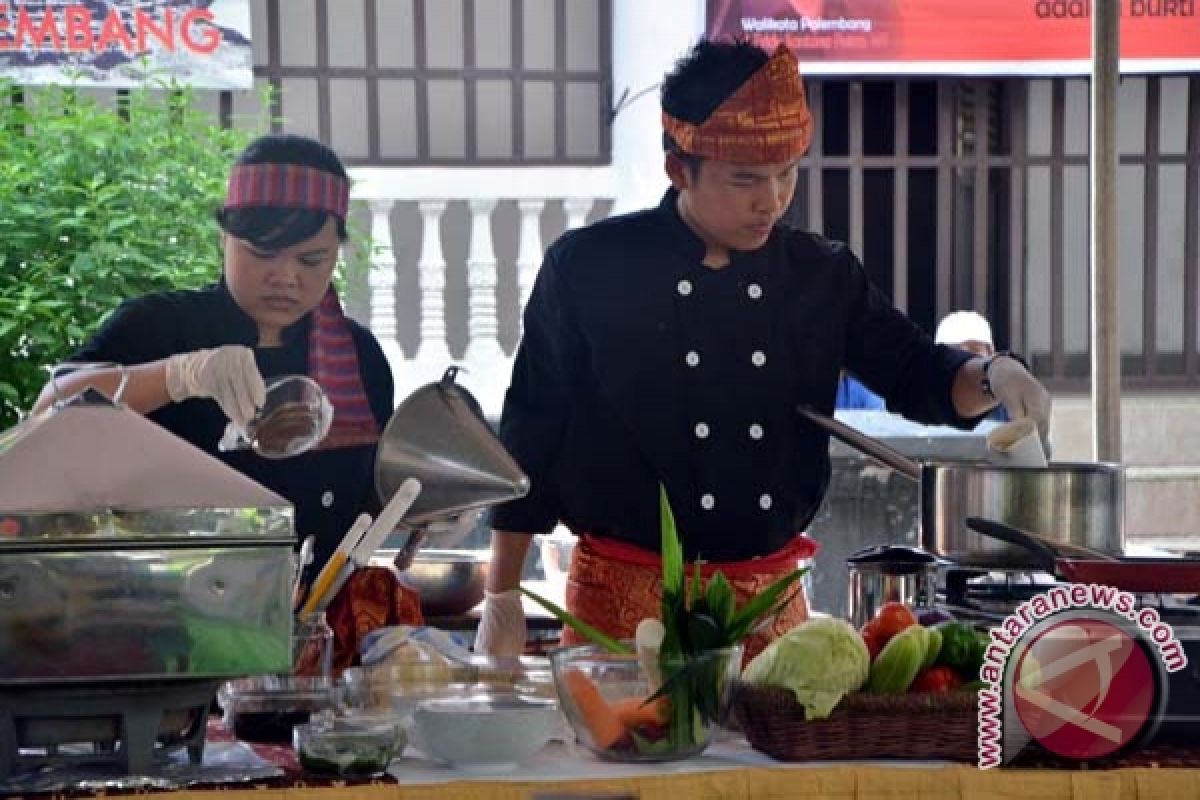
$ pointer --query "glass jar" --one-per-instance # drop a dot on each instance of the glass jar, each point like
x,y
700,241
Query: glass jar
x,y
312,646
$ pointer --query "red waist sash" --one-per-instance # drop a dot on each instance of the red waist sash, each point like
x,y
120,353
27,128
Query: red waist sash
x,y
613,585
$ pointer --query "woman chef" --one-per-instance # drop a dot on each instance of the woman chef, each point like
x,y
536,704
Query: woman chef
x,y
197,359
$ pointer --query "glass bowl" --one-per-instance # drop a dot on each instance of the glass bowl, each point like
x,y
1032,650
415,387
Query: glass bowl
x,y
372,687
604,698
266,708
350,745
294,418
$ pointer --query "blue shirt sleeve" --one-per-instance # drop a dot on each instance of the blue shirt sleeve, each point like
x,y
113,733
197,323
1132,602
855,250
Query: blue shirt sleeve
x,y
852,395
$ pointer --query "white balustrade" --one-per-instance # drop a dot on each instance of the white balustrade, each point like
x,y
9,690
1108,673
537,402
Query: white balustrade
x,y
577,209
382,280
483,343
529,249
431,272
382,276
487,365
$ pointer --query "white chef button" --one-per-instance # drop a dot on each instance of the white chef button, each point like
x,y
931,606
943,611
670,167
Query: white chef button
x,y
758,358
684,287
756,431
754,290
326,499
764,502
692,359
701,430
707,501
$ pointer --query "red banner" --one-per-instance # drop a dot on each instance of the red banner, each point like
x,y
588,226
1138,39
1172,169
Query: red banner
x,y
119,43
961,37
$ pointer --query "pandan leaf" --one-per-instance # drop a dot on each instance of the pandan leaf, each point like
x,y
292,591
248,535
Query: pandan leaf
x,y
762,604
704,633
567,618
720,599
672,550
697,585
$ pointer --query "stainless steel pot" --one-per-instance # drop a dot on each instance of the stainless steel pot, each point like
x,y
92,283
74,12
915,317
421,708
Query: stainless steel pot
x,y
1069,503
884,574
1072,503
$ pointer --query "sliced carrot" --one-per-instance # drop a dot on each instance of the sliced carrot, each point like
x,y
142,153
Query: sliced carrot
x,y
634,711
598,716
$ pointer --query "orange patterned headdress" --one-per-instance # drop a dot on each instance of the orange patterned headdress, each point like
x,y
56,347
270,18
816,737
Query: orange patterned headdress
x,y
765,121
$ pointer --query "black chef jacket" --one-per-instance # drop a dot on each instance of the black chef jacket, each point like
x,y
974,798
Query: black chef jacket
x,y
640,365
328,488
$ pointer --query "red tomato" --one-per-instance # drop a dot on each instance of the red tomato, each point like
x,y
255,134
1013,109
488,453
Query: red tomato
x,y
936,679
873,640
893,618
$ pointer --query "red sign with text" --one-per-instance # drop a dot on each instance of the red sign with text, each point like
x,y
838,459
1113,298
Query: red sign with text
x,y
117,43
957,37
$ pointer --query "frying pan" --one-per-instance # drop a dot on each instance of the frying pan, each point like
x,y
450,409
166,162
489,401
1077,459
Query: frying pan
x,y
1081,565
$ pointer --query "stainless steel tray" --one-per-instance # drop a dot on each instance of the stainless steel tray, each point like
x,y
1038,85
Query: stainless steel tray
x,y
188,526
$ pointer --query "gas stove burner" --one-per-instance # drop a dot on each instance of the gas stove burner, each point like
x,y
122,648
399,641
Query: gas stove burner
x,y
988,596
127,725
995,592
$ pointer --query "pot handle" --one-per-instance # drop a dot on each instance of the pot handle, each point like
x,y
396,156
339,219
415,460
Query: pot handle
x,y
884,454
1045,557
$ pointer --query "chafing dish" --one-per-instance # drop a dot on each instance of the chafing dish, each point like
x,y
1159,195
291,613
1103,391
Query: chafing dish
x,y
126,554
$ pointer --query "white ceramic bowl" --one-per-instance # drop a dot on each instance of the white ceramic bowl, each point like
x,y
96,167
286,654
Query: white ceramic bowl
x,y
483,731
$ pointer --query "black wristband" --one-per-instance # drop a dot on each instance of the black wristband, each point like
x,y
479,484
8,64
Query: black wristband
x,y
986,383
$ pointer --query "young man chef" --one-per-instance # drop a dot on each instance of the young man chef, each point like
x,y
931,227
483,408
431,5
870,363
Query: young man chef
x,y
672,346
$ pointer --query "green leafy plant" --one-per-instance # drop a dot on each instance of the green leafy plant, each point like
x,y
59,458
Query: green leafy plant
x,y
697,619
100,204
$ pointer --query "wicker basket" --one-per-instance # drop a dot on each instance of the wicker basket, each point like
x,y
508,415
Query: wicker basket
x,y
913,726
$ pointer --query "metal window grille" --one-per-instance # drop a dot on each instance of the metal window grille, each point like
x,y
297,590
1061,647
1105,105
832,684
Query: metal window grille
x,y
937,185
435,85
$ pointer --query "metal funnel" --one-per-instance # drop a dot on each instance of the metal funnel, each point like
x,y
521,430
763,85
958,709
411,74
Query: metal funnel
x,y
439,436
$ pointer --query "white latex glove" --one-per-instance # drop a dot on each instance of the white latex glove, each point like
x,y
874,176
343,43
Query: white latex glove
x,y
1021,394
502,626
226,374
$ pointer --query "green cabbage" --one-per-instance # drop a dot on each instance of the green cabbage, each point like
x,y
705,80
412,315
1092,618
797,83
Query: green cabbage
x,y
819,661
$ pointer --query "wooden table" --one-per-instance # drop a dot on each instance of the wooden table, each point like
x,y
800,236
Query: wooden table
x,y
761,781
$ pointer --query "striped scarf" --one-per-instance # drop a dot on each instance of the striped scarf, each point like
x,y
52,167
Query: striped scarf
x,y
333,364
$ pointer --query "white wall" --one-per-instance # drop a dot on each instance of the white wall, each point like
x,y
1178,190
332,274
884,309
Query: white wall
x,y
648,37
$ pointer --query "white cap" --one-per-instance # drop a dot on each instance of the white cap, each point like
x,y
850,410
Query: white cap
x,y
963,326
